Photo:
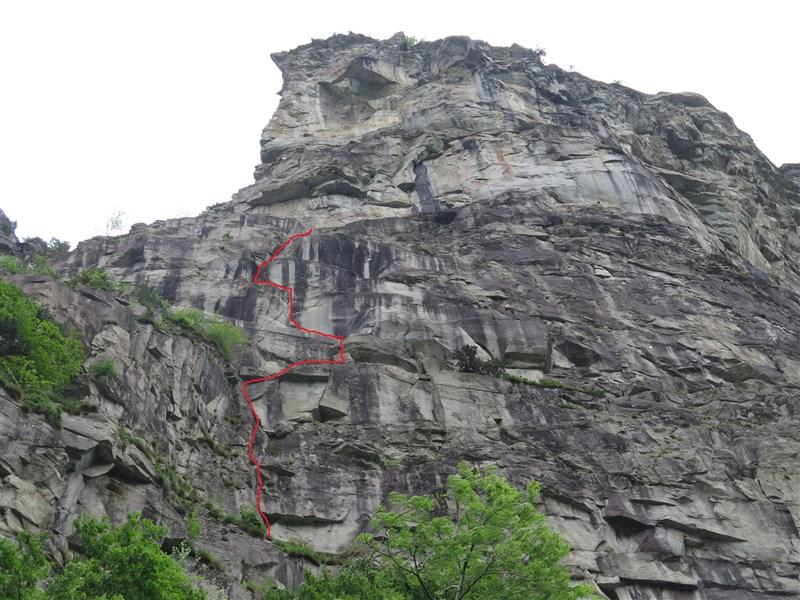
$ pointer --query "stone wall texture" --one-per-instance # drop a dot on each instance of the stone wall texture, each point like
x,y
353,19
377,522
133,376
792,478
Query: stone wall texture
x,y
460,194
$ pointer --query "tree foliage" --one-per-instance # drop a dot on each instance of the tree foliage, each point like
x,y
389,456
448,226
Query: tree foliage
x,y
57,247
358,580
22,565
54,247
483,539
34,353
7,226
36,358
125,563
468,362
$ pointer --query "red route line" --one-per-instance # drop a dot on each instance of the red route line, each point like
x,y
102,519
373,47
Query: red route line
x,y
308,361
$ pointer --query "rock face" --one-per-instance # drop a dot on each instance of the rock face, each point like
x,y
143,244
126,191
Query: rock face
x,y
8,240
460,194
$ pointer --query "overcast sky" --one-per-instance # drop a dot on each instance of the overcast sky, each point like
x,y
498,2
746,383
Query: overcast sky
x,y
155,108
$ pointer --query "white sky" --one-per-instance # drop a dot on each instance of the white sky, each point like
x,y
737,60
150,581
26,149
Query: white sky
x,y
155,107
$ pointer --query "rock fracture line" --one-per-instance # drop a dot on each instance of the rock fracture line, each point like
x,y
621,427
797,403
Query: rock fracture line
x,y
257,279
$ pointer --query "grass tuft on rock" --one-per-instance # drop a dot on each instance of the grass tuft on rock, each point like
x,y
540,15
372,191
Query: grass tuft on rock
x,y
104,368
248,521
226,338
554,384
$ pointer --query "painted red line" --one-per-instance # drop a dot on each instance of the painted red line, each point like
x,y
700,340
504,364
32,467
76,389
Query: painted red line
x,y
308,361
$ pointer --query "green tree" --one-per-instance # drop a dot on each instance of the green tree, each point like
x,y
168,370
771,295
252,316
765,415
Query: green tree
x,y
125,563
22,565
34,353
57,247
484,539
358,580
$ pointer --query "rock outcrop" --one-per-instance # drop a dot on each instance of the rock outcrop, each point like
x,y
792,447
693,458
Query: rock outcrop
x,y
461,194
8,240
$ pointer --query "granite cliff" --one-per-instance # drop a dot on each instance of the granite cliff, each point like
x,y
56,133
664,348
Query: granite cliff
x,y
460,194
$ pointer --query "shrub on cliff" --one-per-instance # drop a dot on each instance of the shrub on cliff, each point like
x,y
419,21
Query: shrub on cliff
x,y
190,319
11,265
226,338
483,539
38,264
36,358
95,278
105,368
468,362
